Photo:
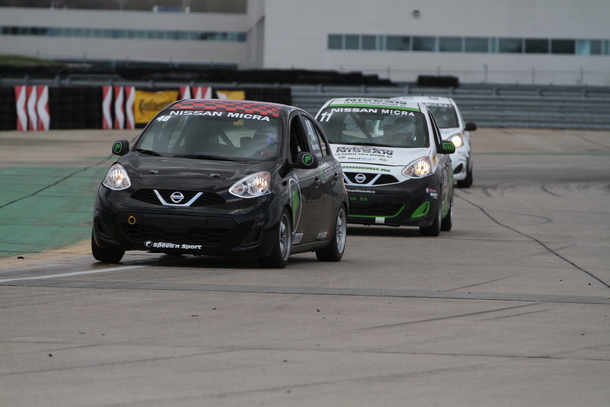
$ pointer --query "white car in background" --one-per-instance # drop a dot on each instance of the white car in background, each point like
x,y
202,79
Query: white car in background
x,y
453,128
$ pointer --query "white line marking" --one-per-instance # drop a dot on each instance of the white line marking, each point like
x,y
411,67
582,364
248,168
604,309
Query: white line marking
x,y
76,273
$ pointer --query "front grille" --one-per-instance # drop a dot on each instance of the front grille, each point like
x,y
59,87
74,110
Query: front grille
x,y
370,179
378,210
205,237
149,196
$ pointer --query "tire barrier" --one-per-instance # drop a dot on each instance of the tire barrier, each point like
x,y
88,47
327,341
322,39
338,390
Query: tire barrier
x,y
101,107
438,81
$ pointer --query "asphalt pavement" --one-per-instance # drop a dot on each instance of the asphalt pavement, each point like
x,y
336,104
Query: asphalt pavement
x,y
511,307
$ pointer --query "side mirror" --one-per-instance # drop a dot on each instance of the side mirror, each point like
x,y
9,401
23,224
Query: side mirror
x,y
447,147
470,126
120,147
305,161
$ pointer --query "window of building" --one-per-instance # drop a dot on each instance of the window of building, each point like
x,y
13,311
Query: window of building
x,y
536,46
369,42
476,44
335,41
424,43
510,45
450,44
589,47
352,41
563,46
398,43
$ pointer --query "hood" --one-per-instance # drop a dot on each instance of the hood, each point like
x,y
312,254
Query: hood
x,y
173,172
377,155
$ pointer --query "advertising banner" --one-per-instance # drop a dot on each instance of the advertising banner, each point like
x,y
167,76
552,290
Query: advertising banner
x,y
148,104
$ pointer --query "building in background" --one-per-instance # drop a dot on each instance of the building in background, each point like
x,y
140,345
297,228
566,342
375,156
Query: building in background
x,y
562,42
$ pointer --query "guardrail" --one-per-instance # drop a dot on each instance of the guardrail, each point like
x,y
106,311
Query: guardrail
x,y
491,105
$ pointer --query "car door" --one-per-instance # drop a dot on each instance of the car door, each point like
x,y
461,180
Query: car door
x,y
328,181
304,185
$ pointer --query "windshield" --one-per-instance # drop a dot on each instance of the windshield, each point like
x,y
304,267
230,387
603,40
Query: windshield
x,y
375,126
444,115
211,137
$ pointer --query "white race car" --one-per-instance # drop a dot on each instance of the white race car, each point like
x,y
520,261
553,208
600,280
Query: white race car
x,y
396,166
453,128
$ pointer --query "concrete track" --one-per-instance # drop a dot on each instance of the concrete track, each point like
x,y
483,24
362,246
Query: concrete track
x,y
509,308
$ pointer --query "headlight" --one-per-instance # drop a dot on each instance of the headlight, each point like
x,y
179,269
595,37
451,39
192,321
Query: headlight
x,y
252,186
419,168
456,139
117,178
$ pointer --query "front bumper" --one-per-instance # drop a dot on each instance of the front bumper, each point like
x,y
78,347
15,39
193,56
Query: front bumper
x,y
460,162
409,203
246,227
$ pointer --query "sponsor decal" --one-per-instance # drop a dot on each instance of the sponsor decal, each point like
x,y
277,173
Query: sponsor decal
x,y
322,235
432,192
364,151
360,191
116,148
356,167
307,159
232,115
167,245
295,203
296,239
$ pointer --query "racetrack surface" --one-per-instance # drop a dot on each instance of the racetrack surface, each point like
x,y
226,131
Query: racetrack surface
x,y
508,308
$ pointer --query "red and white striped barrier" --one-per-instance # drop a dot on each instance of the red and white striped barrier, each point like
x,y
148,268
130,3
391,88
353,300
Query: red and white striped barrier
x,y
106,102
195,92
42,108
119,112
32,104
130,98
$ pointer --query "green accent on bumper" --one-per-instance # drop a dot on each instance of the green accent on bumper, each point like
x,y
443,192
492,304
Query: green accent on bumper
x,y
422,210
372,216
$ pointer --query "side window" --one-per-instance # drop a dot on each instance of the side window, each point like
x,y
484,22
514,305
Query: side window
x,y
436,131
318,148
298,141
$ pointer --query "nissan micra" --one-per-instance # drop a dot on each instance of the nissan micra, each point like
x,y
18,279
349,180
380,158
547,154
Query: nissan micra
x,y
396,166
228,178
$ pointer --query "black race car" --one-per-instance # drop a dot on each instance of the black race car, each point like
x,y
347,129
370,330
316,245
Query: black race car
x,y
228,178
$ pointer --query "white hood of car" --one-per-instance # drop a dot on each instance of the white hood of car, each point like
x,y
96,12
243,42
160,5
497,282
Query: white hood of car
x,y
347,153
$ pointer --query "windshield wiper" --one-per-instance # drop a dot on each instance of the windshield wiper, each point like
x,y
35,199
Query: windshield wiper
x,y
147,152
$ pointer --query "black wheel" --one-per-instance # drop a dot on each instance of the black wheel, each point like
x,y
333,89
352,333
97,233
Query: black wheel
x,y
335,249
283,244
435,228
467,182
447,222
105,255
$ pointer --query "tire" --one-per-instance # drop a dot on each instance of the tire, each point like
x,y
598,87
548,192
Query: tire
x,y
105,255
466,182
335,249
435,228
282,246
447,222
